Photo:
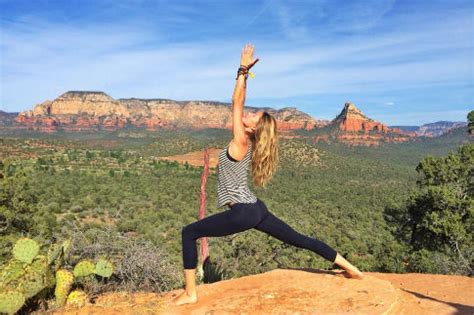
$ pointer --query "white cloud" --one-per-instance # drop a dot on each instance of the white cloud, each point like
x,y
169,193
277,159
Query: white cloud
x,y
41,59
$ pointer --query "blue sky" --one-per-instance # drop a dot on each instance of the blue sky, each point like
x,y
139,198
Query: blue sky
x,y
400,62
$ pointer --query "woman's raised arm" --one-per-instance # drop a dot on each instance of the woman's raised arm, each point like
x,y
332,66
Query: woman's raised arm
x,y
238,98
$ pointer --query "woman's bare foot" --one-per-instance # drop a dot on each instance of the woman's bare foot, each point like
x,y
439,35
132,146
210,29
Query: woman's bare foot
x,y
184,298
350,271
353,274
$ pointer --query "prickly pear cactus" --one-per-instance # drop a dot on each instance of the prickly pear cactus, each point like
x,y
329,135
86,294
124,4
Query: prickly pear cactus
x,y
11,301
49,279
39,265
77,298
84,268
25,250
64,280
33,280
31,284
104,268
54,253
14,270
66,247
90,281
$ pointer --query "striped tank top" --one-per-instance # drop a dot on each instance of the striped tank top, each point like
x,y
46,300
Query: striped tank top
x,y
232,179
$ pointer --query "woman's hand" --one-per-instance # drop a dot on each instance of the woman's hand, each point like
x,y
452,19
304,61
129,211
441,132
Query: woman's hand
x,y
246,58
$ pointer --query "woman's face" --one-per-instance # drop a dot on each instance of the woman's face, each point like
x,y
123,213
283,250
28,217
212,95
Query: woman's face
x,y
250,119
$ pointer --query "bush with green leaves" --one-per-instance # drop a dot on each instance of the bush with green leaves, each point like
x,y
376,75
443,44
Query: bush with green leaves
x,y
470,122
438,219
19,210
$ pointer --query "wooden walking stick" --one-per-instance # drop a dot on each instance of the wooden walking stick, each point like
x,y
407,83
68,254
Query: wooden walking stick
x,y
202,212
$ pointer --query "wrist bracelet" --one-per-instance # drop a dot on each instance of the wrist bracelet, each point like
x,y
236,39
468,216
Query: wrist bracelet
x,y
245,70
242,70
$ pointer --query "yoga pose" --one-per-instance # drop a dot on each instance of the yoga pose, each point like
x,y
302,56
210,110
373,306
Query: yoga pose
x,y
254,143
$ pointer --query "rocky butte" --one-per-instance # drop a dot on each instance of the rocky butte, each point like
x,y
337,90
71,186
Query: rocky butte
x,y
351,126
91,110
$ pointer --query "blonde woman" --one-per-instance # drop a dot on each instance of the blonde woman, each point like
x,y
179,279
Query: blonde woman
x,y
254,143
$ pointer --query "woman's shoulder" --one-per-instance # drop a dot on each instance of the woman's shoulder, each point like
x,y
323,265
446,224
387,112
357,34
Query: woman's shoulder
x,y
239,150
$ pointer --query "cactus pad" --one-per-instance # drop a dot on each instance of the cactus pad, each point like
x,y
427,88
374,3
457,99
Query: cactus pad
x,y
31,284
77,298
25,250
54,253
11,272
11,301
66,247
39,264
49,279
84,268
104,268
64,280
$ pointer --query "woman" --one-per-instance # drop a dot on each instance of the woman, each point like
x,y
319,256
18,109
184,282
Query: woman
x,y
254,142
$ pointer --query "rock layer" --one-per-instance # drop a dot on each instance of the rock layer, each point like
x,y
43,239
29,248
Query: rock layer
x,y
84,110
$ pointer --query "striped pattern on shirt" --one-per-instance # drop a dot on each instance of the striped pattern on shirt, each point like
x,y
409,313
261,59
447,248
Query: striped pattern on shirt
x,y
232,179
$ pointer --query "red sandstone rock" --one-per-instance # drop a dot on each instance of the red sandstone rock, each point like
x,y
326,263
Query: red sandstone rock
x,y
81,110
354,128
296,291
352,119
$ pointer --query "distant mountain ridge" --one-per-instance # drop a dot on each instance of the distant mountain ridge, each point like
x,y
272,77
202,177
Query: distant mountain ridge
x,y
435,129
95,110
7,118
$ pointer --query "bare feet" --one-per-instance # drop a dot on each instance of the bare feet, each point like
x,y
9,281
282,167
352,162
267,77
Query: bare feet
x,y
184,298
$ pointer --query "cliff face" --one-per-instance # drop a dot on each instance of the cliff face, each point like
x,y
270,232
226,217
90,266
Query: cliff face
x,y
92,111
351,126
80,110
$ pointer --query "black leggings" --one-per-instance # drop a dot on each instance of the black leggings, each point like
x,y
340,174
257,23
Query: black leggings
x,y
241,217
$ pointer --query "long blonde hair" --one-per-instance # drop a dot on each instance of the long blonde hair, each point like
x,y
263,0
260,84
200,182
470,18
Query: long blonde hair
x,y
265,150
